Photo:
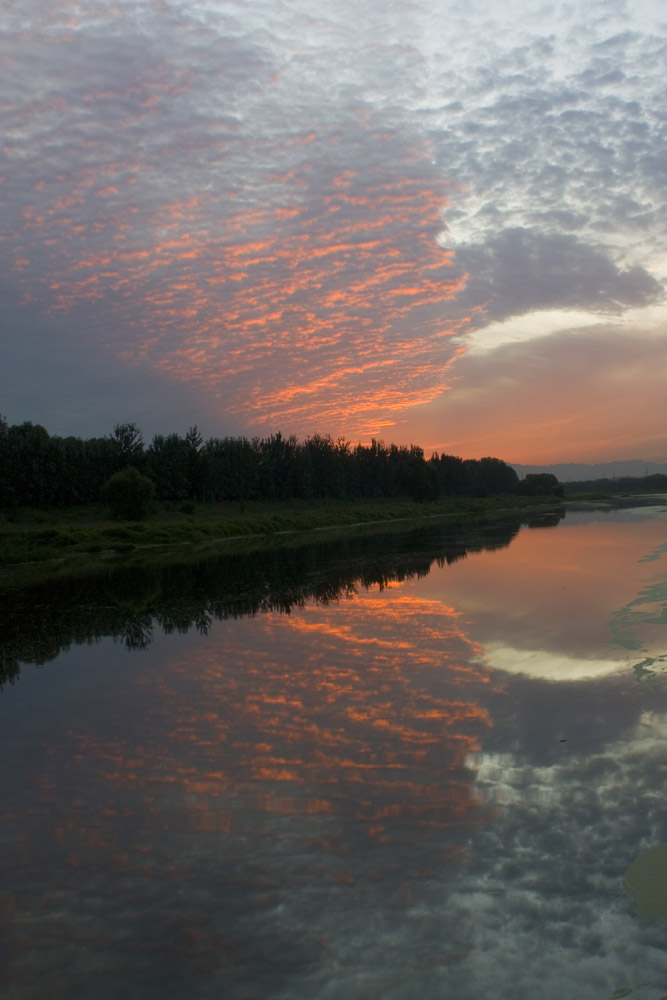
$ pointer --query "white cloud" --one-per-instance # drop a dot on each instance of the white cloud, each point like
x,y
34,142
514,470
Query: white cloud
x,y
519,329
546,665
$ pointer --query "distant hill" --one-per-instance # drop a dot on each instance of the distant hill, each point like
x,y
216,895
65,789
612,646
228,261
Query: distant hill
x,y
576,472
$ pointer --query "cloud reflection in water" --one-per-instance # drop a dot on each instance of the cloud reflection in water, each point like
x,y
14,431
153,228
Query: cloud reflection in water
x,y
349,799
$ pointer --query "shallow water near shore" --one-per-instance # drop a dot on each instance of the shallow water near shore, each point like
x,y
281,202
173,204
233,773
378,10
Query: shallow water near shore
x,y
414,765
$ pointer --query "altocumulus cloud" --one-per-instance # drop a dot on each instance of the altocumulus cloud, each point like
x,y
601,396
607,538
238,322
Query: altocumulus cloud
x,y
287,214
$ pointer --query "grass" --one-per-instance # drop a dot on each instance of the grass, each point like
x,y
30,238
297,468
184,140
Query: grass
x,y
36,544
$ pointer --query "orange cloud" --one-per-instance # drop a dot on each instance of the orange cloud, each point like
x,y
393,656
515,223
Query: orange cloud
x,y
314,308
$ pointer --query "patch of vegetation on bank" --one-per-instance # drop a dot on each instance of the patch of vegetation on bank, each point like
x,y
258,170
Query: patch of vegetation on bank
x,y
37,544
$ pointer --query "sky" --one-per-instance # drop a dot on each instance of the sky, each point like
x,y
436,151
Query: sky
x,y
425,221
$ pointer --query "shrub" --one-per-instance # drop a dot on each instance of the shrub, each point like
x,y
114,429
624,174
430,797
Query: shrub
x,y
128,495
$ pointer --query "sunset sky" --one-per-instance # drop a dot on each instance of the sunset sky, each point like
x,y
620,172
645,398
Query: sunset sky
x,y
428,221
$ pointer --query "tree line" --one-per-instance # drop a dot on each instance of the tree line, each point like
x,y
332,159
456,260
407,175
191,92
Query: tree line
x,y
43,470
656,483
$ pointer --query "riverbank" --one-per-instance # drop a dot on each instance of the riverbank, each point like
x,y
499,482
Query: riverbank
x,y
35,545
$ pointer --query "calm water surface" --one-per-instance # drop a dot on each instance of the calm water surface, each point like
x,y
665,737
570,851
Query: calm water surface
x,y
418,765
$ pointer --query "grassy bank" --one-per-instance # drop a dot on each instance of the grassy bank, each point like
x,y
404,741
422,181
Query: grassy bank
x,y
35,544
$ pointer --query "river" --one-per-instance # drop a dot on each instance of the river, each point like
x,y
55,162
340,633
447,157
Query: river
x,y
421,763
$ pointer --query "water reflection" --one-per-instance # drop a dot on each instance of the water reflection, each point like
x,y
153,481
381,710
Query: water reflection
x,y
646,882
130,601
586,599
352,799
568,829
268,806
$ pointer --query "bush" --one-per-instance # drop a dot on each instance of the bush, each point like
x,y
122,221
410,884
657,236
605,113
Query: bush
x,y
128,495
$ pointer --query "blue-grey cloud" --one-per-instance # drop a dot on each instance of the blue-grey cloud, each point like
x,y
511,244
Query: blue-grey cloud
x,y
517,271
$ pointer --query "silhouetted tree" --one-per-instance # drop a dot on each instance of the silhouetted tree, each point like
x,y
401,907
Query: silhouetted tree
x,y
128,494
168,465
450,472
490,476
194,438
130,443
541,484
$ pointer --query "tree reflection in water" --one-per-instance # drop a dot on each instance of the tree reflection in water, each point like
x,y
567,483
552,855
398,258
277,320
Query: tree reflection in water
x,y
128,602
